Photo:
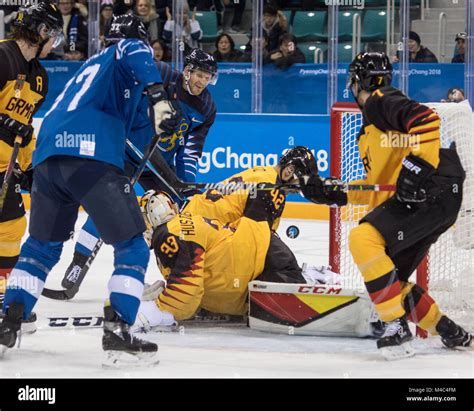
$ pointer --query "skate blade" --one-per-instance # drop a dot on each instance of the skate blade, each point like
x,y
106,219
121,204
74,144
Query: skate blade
x,y
398,352
122,359
28,328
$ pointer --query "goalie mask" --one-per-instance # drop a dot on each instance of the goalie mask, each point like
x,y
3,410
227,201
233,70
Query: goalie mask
x,y
302,160
157,208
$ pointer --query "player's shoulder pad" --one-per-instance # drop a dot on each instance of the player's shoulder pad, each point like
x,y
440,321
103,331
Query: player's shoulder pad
x,y
381,100
168,74
208,105
129,47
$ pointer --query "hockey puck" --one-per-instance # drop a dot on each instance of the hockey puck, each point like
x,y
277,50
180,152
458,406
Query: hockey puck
x,y
292,231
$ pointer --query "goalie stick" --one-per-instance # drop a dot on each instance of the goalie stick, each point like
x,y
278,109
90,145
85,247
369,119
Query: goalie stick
x,y
69,293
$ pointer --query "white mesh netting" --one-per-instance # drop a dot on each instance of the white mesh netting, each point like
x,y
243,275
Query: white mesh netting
x,y
450,270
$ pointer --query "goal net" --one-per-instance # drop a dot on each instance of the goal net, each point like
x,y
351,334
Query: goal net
x,y
448,270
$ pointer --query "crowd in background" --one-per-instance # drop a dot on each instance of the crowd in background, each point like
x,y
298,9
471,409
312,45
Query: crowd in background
x,y
279,45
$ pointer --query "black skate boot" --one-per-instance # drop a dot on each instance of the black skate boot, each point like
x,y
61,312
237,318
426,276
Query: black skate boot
x,y
452,335
121,347
10,326
71,276
28,326
395,344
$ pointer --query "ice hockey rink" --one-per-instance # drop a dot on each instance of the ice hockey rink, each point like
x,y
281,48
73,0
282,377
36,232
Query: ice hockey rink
x,y
215,352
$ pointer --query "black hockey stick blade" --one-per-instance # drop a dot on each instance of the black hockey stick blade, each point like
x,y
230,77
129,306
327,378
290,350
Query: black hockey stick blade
x,y
61,295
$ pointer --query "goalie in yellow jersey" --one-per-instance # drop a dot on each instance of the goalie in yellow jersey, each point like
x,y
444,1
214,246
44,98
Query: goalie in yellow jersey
x,y
208,265
394,237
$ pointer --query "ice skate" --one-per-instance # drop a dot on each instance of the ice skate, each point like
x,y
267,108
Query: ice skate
x,y
395,341
121,348
10,326
452,335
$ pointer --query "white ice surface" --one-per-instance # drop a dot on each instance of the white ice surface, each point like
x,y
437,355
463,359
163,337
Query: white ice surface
x,y
219,352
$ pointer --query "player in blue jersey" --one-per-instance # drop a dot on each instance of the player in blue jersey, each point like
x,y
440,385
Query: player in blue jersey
x,y
79,161
181,149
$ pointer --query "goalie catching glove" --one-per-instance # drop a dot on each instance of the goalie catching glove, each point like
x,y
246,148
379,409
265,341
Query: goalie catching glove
x,y
320,190
163,111
413,179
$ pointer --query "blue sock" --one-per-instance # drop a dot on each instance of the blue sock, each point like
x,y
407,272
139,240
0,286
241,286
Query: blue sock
x,y
88,238
26,281
126,283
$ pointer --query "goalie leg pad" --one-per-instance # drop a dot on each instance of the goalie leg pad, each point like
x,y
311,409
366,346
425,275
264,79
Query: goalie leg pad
x,y
303,309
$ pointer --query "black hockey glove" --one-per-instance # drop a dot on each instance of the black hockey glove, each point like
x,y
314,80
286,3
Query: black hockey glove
x,y
163,111
24,178
411,183
323,190
10,128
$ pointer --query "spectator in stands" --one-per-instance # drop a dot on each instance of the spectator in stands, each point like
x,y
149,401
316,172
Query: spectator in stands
x,y
161,51
75,51
124,7
212,5
191,32
226,51
274,25
145,10
460,46
160,6
417,52
75,28
106,13
81,5
239,8
455,95
288,53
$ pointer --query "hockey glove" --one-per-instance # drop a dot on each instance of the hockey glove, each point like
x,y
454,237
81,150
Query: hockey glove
x,y
323,190
24,178
411,183
10,128
163,109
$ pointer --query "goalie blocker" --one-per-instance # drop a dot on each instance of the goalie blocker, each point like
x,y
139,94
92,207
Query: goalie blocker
x,y
317,310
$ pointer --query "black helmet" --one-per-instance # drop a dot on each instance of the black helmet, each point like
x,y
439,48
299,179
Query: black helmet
x,y
198,59
44,14
125,26
371,71
302,159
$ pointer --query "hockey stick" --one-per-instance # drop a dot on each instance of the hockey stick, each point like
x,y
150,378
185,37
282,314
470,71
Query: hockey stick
x,y
162,167
139,154
9,171
69,293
